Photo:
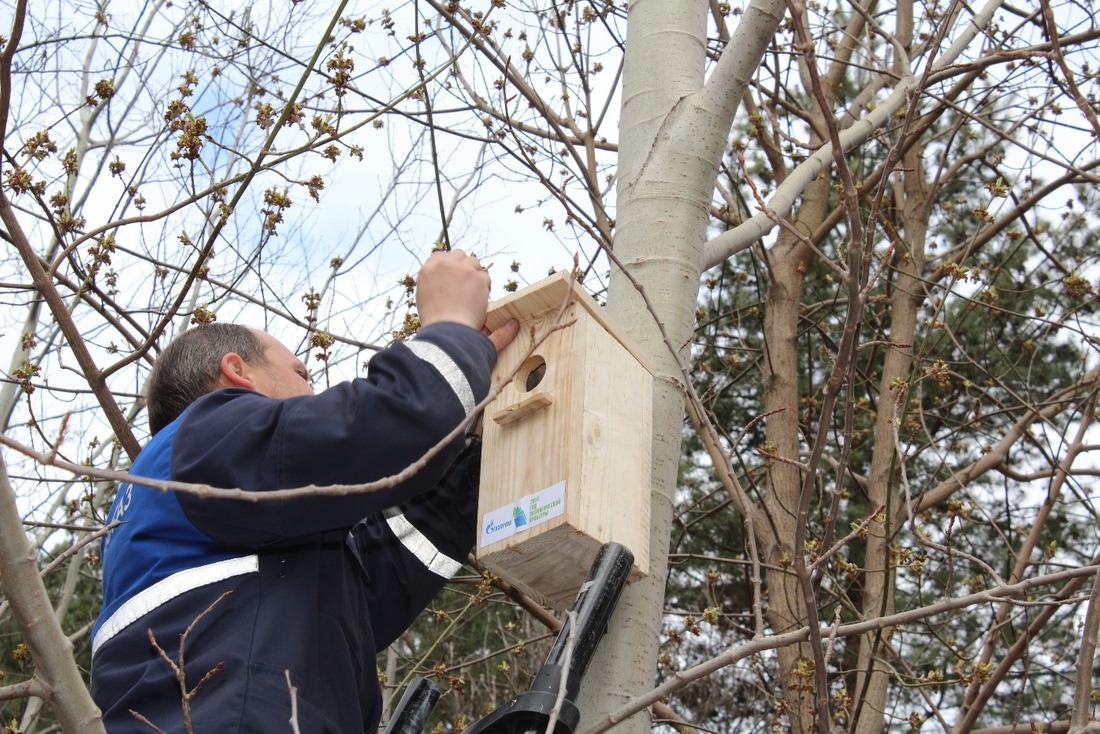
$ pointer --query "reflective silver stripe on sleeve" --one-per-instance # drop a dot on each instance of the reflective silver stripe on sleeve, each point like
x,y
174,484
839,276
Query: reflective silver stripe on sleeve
x,y
169,588
418,544
447,367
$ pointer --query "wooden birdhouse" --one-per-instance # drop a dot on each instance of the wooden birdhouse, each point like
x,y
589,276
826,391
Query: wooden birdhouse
x,y
567,443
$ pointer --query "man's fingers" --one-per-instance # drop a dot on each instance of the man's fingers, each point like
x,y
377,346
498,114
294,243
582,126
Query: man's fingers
x,y
503,336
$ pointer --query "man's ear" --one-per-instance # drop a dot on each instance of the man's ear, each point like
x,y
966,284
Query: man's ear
x,y
235,372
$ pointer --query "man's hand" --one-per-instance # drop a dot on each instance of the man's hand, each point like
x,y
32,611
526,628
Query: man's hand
x,y
452,286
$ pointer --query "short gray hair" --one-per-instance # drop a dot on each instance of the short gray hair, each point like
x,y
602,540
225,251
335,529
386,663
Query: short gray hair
x,y
189,367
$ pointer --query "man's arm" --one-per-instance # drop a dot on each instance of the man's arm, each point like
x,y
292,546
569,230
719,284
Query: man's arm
x,y
414,395
409,552
356,432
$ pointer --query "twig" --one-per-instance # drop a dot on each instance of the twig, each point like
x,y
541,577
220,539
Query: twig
x,y
784,223
524,601
178,666
452,622
468,663
1060,59
68,553
44,285
903,478
842,374
995,456
418,62
724,469
567,661
80,632
337,490
293,704
859,530
6,58
62,526
975,690
77,546
146,721
1030,727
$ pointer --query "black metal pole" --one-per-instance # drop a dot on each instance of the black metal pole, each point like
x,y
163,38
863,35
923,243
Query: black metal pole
x,y
412,712
592,608
529,713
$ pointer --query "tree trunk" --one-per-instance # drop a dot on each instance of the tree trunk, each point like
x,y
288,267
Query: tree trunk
x,y
777,519
872,677
673,131
879,572
658,238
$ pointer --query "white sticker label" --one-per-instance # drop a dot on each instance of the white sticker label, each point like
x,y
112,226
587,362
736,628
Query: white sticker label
x,y
525,513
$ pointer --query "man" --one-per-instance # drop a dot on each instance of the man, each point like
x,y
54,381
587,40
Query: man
x,y
246,593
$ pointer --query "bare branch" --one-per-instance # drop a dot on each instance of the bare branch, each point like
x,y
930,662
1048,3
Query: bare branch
x,y
1083,687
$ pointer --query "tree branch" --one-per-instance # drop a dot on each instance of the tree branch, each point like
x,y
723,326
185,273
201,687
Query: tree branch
x,y
60,679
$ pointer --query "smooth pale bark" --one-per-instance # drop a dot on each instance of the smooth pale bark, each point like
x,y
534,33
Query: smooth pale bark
x,y
673,130
50,649
29,723
664,64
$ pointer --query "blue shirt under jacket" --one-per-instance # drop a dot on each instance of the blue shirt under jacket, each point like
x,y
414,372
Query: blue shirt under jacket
x,y
313,585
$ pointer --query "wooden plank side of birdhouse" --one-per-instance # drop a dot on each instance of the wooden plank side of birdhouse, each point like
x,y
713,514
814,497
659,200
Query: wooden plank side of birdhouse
x,y
614,478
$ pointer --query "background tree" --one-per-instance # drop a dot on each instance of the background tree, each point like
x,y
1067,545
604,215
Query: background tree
x,y
881,514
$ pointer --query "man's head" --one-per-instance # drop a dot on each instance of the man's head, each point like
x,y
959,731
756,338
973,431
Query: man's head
x,y
214,356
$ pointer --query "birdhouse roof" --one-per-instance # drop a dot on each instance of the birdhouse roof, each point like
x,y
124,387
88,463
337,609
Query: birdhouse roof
x,y
550,294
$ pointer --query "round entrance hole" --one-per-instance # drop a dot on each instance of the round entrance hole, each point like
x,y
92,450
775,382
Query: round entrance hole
x,y
531,373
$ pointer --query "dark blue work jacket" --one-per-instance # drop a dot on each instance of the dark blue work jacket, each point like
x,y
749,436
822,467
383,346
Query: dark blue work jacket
x,y
311,587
